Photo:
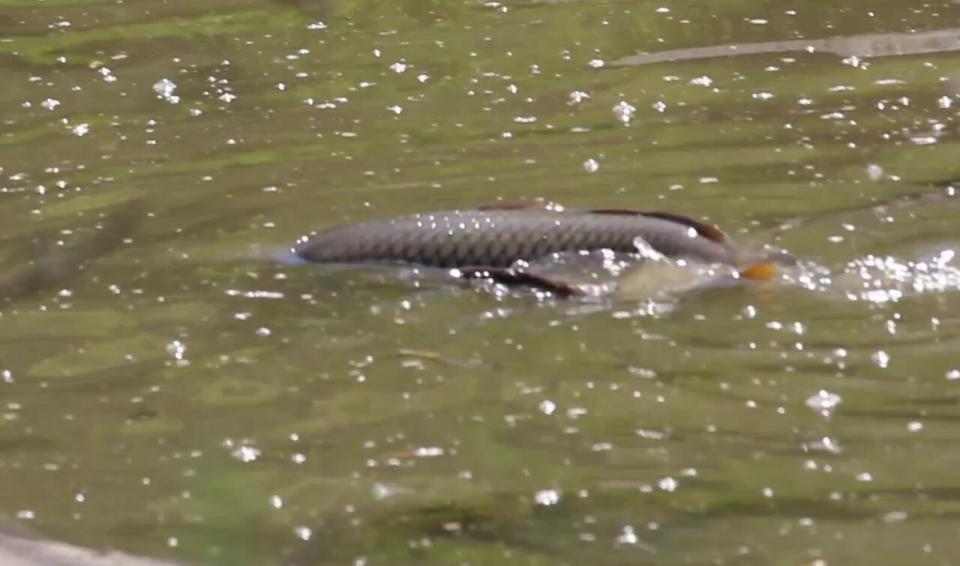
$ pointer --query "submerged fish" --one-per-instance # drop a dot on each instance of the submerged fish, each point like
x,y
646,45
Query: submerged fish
x,y
487,242
56,266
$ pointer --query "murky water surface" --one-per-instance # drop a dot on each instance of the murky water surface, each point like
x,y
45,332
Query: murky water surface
x,y
189,396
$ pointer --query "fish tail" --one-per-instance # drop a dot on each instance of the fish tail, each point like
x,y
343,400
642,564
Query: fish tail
x,y
763,270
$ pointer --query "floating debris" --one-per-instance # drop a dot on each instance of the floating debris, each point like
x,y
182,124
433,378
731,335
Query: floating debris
x,y
855,46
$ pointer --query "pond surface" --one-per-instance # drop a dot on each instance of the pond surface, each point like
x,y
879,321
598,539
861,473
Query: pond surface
x,y
189,396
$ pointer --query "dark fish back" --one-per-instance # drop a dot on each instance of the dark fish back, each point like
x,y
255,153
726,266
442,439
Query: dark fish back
x,y
499,238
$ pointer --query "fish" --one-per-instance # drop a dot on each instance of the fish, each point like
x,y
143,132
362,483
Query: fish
x,y
56,266
20,547
491,242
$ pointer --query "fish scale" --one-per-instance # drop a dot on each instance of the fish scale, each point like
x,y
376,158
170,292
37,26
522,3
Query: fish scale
x,y
501,237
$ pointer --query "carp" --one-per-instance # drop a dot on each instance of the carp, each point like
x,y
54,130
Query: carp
x,y
493,242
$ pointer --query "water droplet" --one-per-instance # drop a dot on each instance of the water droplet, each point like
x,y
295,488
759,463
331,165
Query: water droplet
x,y
177,349
667,484
107,74
547,407
547,497
578,96
624,111
627,536
165,89
428,451
881,358
895,517
824,402
246,453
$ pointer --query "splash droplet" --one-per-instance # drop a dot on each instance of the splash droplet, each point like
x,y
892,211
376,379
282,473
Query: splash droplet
x,y
824,402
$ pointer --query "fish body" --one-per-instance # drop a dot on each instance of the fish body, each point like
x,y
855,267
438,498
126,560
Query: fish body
x,y
500,237
30,550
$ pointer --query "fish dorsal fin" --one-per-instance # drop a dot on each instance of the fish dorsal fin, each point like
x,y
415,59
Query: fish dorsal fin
x,y
705,229
708,231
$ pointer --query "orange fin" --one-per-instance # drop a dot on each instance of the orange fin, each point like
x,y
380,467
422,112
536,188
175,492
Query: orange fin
x,y
708,231
764,270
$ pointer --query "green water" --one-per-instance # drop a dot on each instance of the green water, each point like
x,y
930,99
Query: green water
x,y
187,396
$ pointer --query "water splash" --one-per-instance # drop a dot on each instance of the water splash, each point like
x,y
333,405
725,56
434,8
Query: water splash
x,y
883,278
165,89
